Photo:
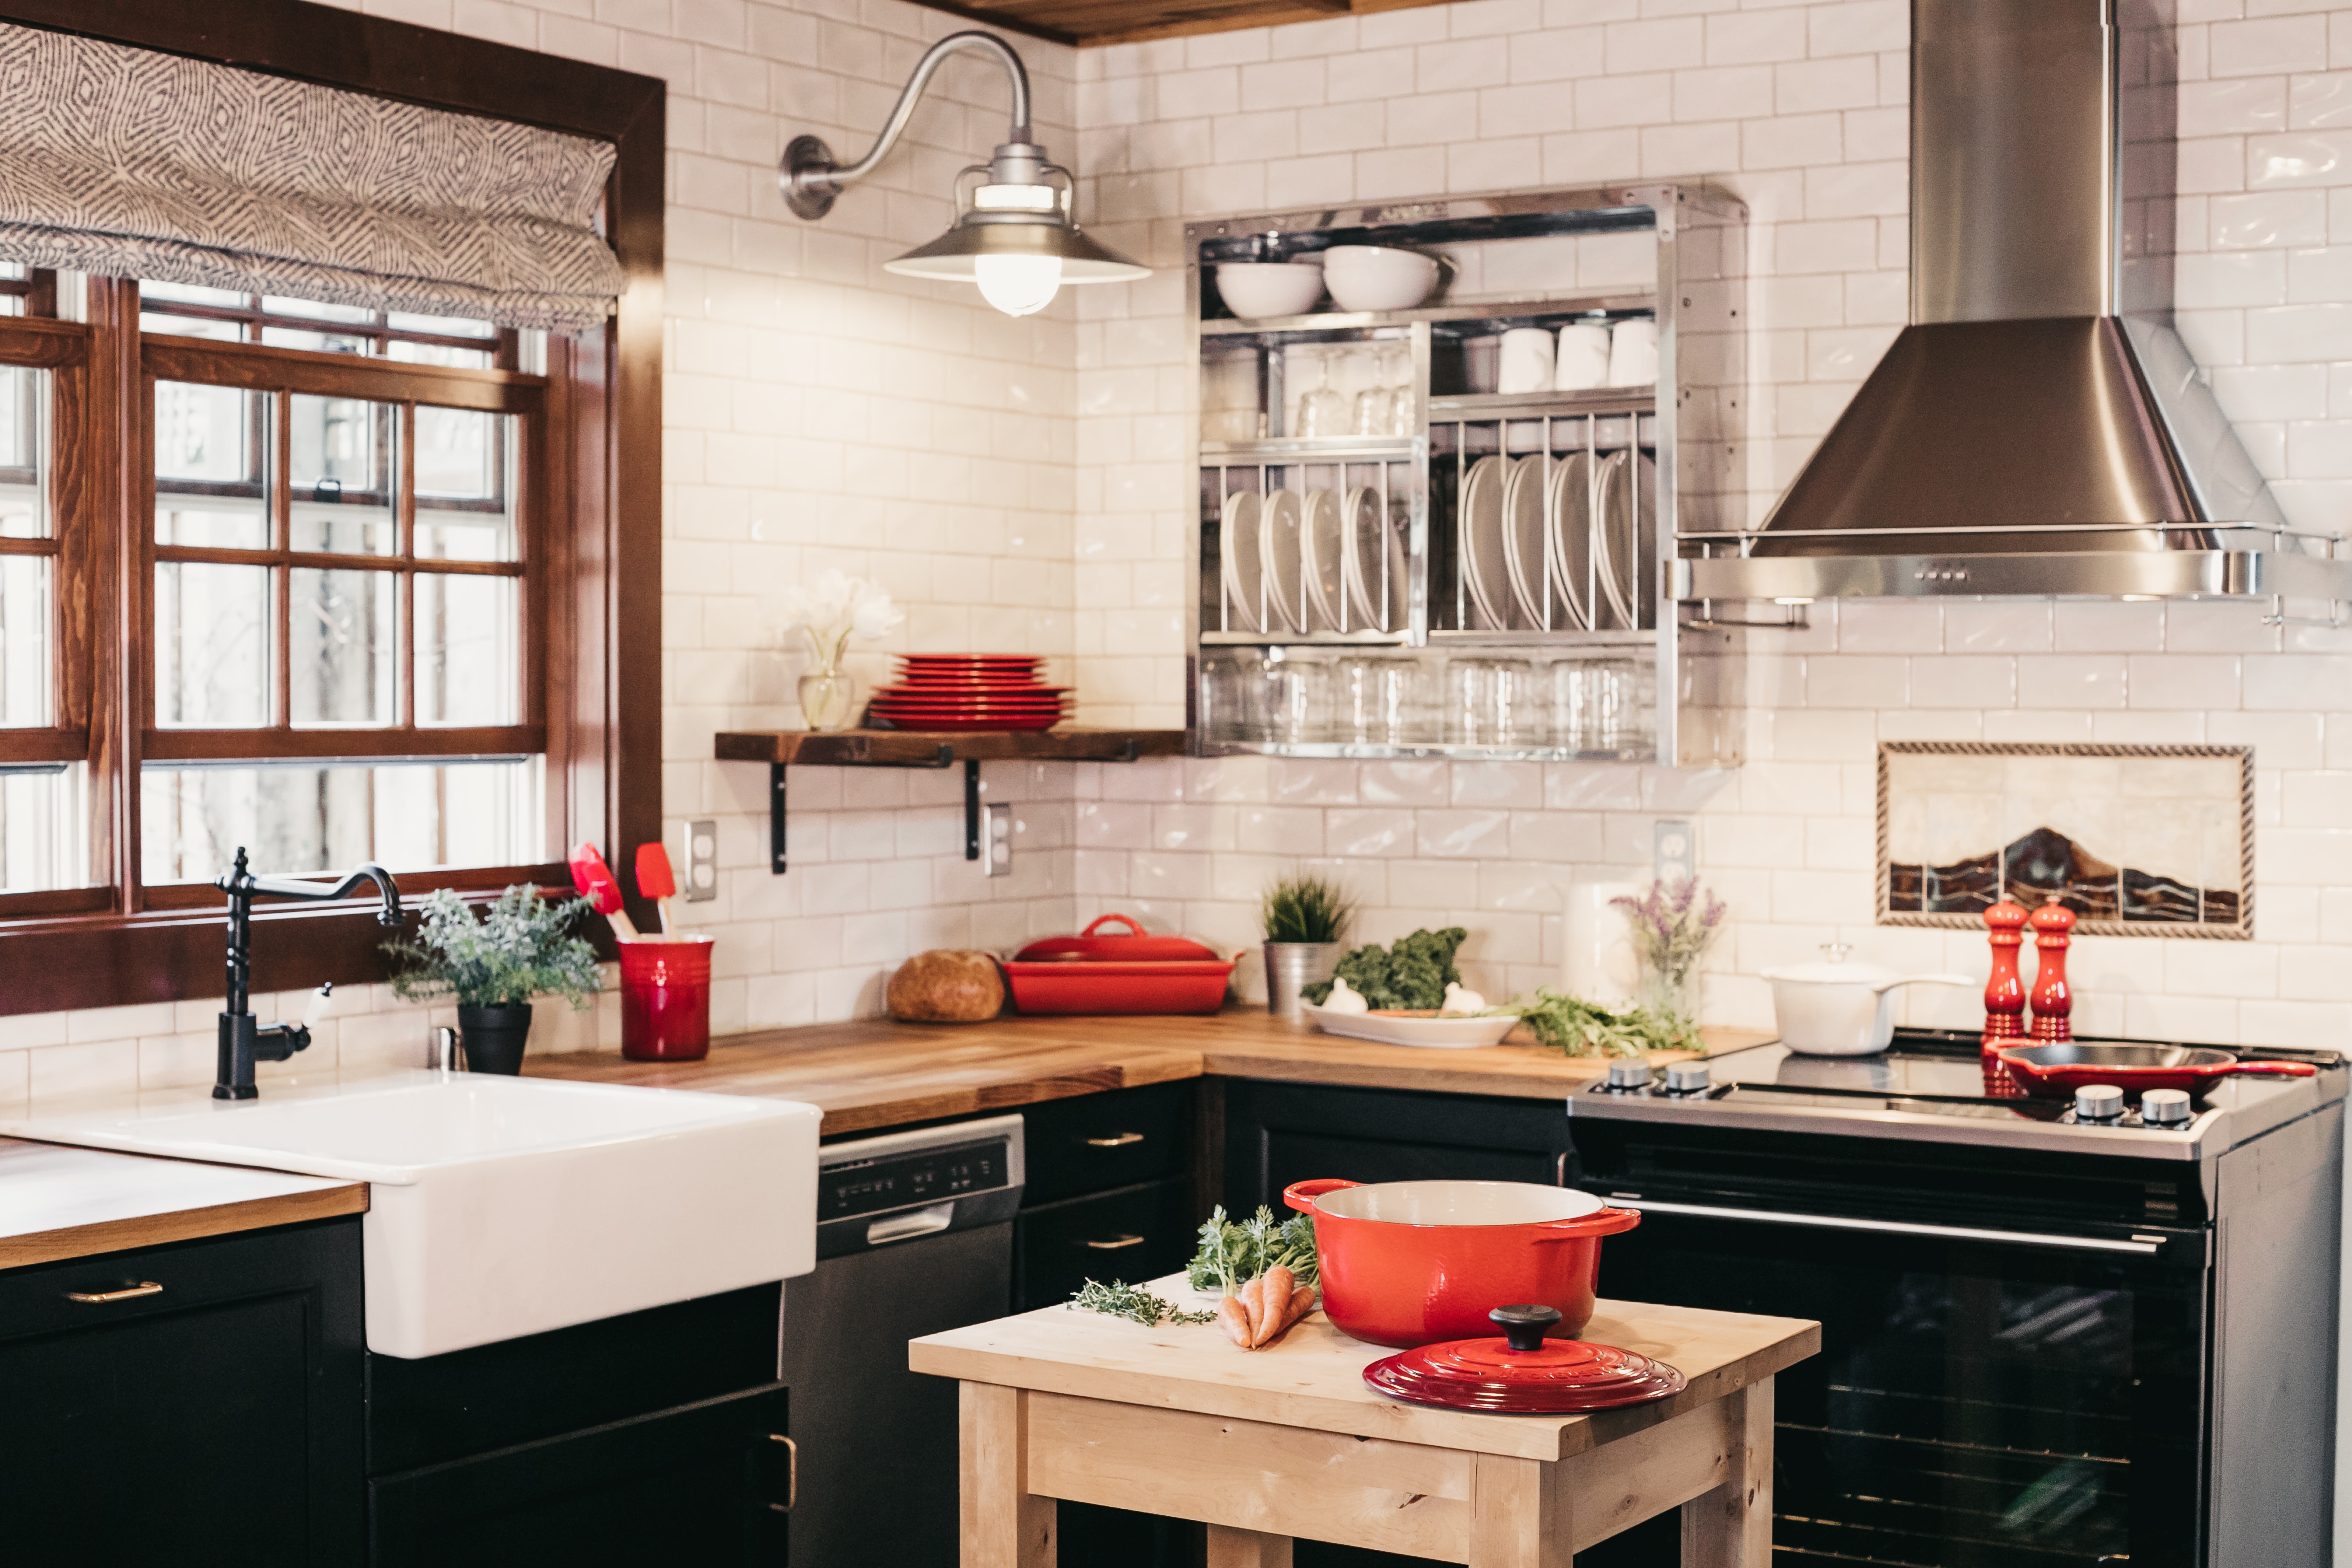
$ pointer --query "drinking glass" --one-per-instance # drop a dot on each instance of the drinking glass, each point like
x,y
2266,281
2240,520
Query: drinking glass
x,y
1384,701
1293,697
1404,406
1492,703
1321,410
1596,705
1227,680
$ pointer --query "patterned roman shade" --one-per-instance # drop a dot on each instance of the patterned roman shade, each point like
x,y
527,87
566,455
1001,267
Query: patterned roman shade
x,y
132,164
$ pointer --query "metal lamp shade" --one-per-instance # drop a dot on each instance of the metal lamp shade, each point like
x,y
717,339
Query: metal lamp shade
x,y
953,257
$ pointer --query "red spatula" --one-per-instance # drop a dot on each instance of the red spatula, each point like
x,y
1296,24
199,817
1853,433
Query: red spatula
x,y
594,880
655,881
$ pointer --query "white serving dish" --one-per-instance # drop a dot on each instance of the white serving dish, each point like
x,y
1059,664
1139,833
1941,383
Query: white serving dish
x,y
1839,1009
1377,277
1256,289
504,1206
1440,1034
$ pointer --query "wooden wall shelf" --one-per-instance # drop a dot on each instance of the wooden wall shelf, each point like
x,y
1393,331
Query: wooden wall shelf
x,y
929,749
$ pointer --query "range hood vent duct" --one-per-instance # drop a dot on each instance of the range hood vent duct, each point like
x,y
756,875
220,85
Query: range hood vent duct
x,y
2039,428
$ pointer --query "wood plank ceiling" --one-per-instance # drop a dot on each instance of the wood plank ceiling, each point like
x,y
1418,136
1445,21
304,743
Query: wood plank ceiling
x,y
1087,22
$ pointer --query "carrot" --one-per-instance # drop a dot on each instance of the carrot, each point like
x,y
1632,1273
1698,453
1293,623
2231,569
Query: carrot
x,y
1302,1301
1274,1289
1253,1299
1233,1318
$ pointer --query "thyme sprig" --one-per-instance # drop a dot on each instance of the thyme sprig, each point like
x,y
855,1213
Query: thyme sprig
x,y
1133,1302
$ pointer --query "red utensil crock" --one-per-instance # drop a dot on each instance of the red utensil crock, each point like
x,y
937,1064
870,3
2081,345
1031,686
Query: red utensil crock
x,y
1412,1263
666,999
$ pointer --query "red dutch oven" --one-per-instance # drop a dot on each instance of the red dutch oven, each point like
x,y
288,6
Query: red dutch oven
x,y
1122,972
1412,1263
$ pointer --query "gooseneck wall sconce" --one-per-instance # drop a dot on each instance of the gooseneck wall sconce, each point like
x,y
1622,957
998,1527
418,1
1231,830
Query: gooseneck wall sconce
x,y
1013,234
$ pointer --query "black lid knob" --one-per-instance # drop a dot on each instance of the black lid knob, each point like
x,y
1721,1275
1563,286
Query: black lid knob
x,y
1523,1326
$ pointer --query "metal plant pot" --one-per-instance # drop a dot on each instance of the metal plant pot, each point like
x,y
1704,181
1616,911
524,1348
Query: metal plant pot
x,y
1290,968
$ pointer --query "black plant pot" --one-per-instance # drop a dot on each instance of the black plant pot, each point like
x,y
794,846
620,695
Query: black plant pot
x,y
495,1036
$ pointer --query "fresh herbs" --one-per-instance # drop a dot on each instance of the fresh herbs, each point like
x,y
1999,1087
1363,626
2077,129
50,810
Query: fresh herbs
x,y
1132,1303
1304,908
518,949
1410,975
1581,1029
1233,1254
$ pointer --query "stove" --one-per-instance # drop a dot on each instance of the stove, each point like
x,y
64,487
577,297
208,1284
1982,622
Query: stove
x,y
1929,1087
2047,1339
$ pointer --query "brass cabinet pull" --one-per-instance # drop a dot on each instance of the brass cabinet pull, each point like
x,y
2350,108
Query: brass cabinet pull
x,y
1116,1140
793,1472
1116,1244
147,1287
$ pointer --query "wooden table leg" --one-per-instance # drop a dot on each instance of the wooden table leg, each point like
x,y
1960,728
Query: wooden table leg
x,y
1519,1516
1231,1548
1731,1527
1004,1526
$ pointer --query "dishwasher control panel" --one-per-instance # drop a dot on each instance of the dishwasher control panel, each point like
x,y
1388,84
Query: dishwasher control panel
x,y
871,1192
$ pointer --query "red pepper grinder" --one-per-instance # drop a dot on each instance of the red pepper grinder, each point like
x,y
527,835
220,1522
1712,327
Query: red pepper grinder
x,y
2004,995
2052,1001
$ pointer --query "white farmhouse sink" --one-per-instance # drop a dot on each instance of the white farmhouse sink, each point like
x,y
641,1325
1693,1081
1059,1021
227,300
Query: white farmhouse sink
x,y
503,1206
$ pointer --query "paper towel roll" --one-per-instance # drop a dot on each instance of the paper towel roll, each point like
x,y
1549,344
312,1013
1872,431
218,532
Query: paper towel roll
x,y
1598,964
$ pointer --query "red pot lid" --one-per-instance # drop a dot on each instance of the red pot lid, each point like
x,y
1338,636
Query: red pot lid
x,y
1533,1376
1119,947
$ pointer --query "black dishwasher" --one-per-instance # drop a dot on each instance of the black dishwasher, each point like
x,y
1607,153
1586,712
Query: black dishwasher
x,y
914,1237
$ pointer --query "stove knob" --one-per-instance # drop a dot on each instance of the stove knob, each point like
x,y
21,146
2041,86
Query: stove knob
x,y
2165,1108
1687,1078
2099,1102
1627,1075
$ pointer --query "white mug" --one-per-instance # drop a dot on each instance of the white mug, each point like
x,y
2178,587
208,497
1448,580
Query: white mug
x,y
1634,351
1584,358
1525,360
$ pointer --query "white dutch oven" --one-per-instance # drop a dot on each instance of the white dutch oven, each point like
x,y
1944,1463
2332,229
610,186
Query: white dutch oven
x,y
1839,1009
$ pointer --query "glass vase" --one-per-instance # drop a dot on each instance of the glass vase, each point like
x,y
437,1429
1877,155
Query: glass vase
x,y
1671,994
828,700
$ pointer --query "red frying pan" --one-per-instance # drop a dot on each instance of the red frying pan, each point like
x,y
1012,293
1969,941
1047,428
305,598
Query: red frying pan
x,y
2055,1072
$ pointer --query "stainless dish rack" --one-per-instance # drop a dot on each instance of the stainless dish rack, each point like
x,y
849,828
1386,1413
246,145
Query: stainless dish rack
x,y
1604,477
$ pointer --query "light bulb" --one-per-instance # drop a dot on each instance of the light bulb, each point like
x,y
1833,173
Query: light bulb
x,y
1018,284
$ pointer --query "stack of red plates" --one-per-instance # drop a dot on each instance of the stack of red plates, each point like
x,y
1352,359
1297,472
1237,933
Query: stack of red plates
x,y
969,691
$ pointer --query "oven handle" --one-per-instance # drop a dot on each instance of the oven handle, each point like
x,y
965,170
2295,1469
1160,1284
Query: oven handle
x,y
1894,1227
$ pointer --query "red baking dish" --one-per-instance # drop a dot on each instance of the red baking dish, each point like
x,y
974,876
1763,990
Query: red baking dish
x,y
1129,972
1412,1263
2057,1072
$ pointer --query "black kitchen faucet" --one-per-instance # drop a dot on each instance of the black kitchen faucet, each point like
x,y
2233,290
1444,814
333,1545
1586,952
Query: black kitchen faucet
x,y
243,1041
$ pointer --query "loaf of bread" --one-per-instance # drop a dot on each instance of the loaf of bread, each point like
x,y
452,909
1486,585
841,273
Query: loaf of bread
x,y
947,986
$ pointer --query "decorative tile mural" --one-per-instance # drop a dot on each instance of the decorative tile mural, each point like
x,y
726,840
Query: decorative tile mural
x,y
2136,840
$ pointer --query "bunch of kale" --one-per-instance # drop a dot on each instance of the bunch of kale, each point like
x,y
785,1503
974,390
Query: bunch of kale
x,y
1412,974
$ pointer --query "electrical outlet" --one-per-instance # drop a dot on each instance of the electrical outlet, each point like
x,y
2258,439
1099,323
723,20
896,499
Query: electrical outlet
x,y
701,860
996,838
1673,852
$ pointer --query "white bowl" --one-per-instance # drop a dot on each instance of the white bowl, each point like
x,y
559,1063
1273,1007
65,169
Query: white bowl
x,y
1375,278
1255,289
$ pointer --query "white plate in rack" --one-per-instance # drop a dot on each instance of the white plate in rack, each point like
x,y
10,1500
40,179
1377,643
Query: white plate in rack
x,y
1480,544
1568,501
1239,560
1278,530
1323,546
1523,539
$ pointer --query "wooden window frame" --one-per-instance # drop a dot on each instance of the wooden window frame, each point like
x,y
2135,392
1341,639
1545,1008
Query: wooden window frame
x,y
593,707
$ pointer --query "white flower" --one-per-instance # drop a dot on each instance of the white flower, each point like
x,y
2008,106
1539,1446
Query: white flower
x,y
837,608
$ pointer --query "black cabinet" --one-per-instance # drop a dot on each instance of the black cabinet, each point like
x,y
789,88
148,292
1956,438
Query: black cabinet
x,y
1278,1133
1110,1191
191,1404
655,1437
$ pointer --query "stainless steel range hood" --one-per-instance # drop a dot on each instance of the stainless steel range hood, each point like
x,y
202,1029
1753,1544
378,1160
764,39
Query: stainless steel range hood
x,y
2039,428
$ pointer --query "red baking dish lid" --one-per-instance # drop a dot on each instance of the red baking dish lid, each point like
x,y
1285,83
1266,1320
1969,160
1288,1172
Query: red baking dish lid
x,y
1115,947
1561,1378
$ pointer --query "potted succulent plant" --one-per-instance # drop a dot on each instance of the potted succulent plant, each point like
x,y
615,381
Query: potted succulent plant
x,y
1305,916
519,948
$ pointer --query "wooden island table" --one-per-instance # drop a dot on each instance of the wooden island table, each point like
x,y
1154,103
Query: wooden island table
x,y
1286,1442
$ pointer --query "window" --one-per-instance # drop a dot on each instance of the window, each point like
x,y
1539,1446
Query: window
x,y
331,583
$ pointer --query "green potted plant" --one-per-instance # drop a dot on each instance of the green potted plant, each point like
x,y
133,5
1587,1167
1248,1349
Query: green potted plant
x,y
1306,916
519,948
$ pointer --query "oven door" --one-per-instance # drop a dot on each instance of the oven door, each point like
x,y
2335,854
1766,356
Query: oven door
x,y
1984,1397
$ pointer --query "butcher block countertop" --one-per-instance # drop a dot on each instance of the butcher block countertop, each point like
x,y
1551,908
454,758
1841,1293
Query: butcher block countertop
x,y
878,1073
58,1203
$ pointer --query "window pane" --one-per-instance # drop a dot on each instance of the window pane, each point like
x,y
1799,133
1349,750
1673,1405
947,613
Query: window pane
x,y
465,490
192,295
468,649
43,811
25,631
281,305
193,326
340,638
303,817
207,435
316,342
227,523
442,326
341,467
439,353
24,441
212,646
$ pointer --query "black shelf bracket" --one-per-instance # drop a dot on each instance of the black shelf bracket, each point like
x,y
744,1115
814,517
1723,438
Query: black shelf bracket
x,y
971,808
778,860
